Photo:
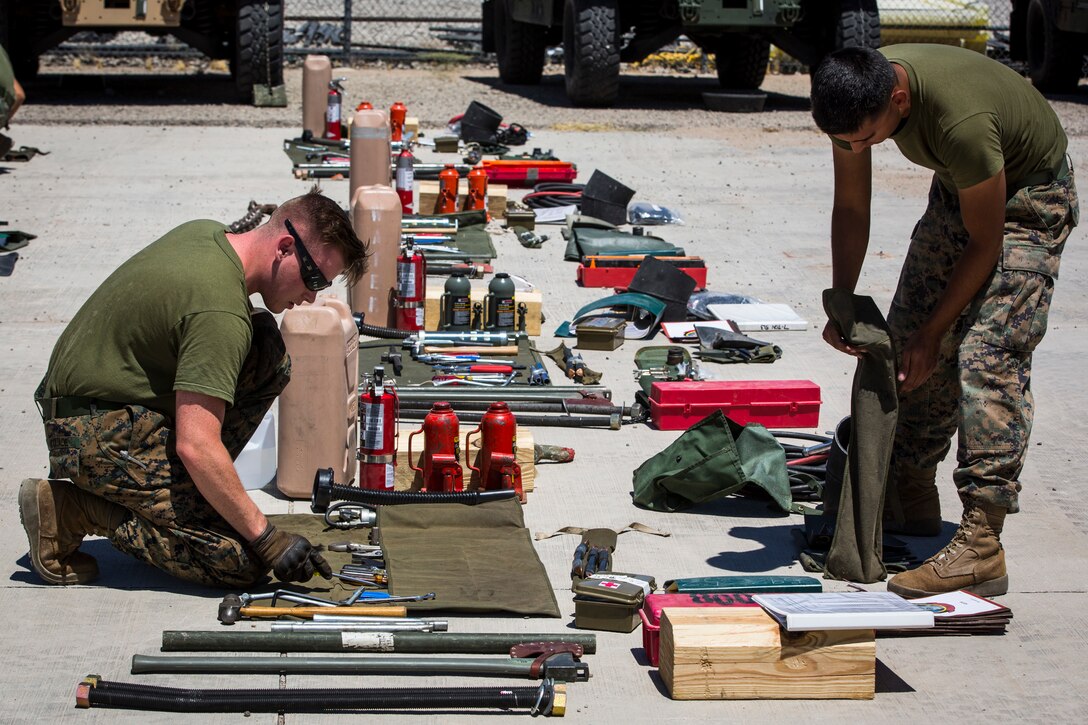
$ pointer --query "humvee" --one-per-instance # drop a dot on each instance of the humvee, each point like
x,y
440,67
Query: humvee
x,y
1052,36
246,33
598,35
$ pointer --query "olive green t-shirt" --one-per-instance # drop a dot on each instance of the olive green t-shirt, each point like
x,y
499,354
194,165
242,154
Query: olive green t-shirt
x,y
7,87
173,317
971,116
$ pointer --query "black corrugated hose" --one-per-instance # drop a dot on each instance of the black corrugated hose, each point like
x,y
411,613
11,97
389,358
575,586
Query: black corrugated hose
x,y
388,333
130,696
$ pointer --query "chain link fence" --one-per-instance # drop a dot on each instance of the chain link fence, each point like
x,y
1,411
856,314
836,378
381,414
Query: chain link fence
x,y
353,30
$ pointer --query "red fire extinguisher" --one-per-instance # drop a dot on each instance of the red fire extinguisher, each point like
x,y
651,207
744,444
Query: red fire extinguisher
x,y
335,102
405,179
477,189
411,288
380,411
397,113
447,189
441,450
499,467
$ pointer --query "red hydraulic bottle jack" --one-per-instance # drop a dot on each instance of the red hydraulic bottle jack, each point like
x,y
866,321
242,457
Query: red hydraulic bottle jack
x,y
380,410
441,467
333,108
411,288
477,190
448,179
499,467
397,113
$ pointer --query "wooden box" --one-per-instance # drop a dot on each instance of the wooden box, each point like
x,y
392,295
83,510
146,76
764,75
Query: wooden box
x,y
533,301
740,653
428,198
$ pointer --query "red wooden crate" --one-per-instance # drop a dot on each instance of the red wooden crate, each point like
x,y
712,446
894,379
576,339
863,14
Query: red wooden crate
x,y
650,614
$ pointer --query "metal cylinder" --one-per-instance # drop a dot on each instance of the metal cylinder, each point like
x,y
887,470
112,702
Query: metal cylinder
x,y
403,642
535,392
388,626
384,665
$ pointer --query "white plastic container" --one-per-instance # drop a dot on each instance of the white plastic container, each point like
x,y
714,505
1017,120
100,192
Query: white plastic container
x,y
256,464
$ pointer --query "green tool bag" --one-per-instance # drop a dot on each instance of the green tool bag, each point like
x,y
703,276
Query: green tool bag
x,y
712,459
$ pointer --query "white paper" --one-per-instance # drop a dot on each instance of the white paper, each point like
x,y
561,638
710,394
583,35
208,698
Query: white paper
x,y
554,214
759,316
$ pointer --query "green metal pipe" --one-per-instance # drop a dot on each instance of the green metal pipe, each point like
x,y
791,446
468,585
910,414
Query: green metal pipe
x,y
403,642
383,665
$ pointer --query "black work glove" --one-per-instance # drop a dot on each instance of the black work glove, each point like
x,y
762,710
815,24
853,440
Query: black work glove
x,y
291,556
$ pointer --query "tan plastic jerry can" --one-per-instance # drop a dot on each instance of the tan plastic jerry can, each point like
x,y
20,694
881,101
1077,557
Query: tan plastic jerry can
x,y
371,151
376,216
316,75
319,408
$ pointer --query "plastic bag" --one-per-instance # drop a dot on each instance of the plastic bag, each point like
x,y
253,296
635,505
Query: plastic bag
x,y
647,214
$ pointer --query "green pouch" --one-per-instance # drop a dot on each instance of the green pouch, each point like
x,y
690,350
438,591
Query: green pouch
x,y
589,240
712,459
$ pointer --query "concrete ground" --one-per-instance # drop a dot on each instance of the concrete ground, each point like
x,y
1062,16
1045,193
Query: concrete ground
x,y
754,193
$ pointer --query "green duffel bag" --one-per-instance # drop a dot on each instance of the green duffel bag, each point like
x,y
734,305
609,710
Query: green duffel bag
x,y
713,458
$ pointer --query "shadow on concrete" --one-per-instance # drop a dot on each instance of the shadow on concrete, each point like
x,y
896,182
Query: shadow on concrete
x,y
132,89
739,507
926,546
888,681
639,93
1078,96
122,572
779,550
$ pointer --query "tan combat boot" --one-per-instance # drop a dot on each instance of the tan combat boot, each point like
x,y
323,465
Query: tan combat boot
x,y
915,507
973,560
56,515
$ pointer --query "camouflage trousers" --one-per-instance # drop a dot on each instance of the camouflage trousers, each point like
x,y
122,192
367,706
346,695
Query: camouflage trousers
x,y
129,457
982,385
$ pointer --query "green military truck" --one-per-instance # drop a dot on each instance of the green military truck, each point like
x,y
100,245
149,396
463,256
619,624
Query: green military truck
x,y
1052,37
246,33
598,35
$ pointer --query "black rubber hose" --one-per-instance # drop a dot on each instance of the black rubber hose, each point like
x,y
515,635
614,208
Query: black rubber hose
x,y
554,194
390,333
325,492
169,699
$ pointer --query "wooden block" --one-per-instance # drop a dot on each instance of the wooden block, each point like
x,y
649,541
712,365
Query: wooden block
x,y
534,301
411,125
405,479
496,198
742,654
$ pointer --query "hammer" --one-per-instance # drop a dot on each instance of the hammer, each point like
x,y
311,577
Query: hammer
x,y
232,608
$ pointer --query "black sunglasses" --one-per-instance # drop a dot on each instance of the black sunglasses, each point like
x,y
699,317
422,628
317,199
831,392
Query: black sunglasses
x,y
312,276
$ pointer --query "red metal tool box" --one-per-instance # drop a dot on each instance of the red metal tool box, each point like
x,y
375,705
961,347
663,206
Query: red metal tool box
x,y
650,614
773,403
618,271
526,172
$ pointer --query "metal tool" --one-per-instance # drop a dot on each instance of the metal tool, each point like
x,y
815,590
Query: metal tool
x,y
406,642
345,515
562,666
549,699
387,626
232,609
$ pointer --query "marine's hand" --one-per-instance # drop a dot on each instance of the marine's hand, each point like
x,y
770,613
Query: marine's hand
x,y
834,338
292,557
919,359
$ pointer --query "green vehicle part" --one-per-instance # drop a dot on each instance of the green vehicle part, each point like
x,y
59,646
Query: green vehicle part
x,y
598,35
1052,37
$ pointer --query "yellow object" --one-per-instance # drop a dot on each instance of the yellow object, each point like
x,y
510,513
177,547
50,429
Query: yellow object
x,y
948,22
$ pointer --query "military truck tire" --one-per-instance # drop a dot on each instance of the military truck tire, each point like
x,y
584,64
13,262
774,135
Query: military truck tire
x,y
519,46
742,61
591,51
1055,57
858,26
258,51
